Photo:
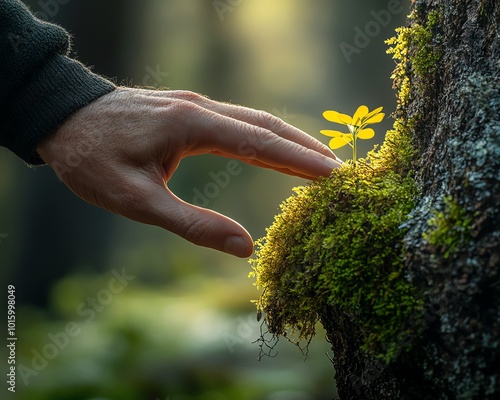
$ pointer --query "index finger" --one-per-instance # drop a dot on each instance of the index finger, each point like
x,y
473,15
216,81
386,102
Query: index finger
x,y
255,117
252,143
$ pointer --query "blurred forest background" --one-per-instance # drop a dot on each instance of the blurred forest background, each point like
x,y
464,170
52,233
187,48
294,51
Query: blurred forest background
x,y
183,327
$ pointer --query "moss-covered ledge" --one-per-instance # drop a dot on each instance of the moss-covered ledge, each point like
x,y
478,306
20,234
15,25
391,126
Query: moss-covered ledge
x,y
338,243
335,255
368,251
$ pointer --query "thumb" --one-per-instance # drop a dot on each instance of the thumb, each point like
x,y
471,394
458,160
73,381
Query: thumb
x,y
199,225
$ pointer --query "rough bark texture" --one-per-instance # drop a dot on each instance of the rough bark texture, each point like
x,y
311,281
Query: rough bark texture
x,y
452,246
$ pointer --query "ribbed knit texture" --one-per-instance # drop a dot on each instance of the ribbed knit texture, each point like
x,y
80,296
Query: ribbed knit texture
x,y
39,85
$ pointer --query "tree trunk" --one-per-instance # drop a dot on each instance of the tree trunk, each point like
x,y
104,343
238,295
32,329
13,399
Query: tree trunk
x,y
439,336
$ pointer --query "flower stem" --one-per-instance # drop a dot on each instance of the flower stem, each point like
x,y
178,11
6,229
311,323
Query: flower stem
x,y
354,137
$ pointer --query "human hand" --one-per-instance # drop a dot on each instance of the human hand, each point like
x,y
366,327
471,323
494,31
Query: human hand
x,y
120,151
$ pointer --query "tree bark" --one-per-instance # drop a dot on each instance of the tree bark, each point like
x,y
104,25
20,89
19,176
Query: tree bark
x,y
455,104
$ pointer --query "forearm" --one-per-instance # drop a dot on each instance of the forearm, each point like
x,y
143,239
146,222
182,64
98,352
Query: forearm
x,y
39,85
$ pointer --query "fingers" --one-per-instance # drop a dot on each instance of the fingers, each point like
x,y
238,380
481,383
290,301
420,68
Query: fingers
x,y
158,206
255,118
274,124
261,165
258,146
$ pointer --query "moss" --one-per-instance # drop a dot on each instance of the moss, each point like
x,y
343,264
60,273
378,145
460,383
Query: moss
x,y
419,46
449,229
427,53
338,243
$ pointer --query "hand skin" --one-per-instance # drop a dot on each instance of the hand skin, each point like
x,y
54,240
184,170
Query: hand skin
x,y
120,151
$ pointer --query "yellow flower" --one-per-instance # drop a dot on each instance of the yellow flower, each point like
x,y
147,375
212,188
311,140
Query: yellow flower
x,y
355,124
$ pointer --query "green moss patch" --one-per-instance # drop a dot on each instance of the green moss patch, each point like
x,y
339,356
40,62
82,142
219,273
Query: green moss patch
x,y
337,243
449,229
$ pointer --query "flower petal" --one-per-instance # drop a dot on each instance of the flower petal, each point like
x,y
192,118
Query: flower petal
x,y
366,133
360,113
374,119
338,142
334,116
332,133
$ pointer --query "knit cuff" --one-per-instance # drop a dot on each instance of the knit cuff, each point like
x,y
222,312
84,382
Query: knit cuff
x,y
57,90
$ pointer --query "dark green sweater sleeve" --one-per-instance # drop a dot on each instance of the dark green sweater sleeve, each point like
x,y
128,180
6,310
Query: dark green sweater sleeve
x,y
39,85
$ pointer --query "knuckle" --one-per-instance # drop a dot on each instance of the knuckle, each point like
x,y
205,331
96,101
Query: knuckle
x,y
185,107
180,111
270,121
188,95
260,138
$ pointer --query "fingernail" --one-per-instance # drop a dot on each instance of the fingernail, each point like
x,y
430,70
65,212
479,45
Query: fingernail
x,y
332,163
236,246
